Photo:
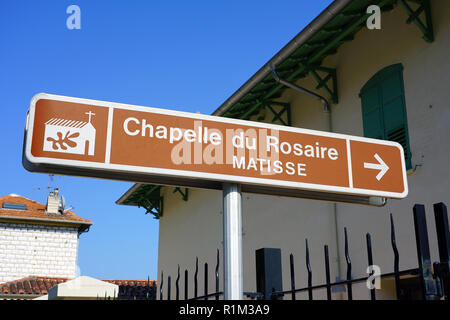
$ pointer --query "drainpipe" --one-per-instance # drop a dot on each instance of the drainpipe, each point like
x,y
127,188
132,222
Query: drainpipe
x,y
326,105
327,111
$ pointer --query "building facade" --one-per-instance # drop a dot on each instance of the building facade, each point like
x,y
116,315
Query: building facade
x,y
38,239
39,251
389,83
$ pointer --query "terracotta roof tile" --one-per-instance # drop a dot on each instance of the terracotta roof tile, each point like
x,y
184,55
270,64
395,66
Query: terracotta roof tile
x,y
37,285
36,210
20,288
30,285
34,286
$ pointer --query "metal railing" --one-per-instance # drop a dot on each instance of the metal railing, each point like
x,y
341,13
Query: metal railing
x,y
206,294
434,280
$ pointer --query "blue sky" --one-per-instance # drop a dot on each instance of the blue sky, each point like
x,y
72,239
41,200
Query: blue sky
x,y
182,55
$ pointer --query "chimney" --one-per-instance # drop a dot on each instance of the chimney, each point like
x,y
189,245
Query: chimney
x,y
54,205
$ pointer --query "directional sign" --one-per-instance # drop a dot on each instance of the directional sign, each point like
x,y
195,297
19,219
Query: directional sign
x,y
110,140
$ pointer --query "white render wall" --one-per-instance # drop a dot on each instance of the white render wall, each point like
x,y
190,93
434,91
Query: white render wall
x,y
28,249
194,228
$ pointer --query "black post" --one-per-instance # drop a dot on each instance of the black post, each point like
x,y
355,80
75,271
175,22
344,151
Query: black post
x,y
268,272
443,236
427,282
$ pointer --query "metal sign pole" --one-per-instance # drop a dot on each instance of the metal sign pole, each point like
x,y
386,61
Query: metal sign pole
x,y
232,241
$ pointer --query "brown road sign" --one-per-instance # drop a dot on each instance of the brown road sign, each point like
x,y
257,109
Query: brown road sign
x,y
117,141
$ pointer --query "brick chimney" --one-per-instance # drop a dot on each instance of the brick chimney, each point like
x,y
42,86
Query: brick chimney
x,y
54,204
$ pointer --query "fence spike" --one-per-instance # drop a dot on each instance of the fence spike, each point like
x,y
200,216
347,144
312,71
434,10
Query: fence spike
x,y
370,261
327,271
217,275
206,281
195,277
168,287
349,266
152,295
428,285
396,260
291,265
443,237
185,284
308,268
161,286
177,287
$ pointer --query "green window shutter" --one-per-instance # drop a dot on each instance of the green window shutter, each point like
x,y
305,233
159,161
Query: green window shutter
x,y
384,108
372,114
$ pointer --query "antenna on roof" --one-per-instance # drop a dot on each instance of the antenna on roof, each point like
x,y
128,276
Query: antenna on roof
x,y
62,204
50,180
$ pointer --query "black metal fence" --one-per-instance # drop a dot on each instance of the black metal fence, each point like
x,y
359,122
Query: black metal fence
x,y
206,295
165,292
428,282
137,292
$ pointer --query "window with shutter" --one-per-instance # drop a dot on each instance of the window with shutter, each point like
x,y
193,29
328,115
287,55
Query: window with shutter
x,y
384,108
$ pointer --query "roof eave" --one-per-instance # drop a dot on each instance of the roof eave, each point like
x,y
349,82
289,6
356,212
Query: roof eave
x,y
128,193
323,18
80,224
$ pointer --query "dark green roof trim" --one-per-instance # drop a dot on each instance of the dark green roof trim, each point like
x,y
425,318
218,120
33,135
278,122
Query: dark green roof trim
x,y
184,194
307,58
426,27
148,197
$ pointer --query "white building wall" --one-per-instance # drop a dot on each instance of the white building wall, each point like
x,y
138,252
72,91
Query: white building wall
x,y
27,249
193,228
426,77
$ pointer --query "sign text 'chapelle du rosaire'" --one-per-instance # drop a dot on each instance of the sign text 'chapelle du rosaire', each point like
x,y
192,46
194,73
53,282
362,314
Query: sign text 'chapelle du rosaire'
x,y
82,134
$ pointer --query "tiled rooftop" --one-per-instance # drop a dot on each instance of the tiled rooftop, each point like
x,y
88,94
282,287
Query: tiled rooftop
x,y
35,210
37,285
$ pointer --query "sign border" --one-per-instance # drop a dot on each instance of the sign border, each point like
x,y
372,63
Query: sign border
x,y
202,175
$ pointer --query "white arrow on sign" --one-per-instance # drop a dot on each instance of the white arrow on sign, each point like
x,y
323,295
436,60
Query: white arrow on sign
x,y
381,165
